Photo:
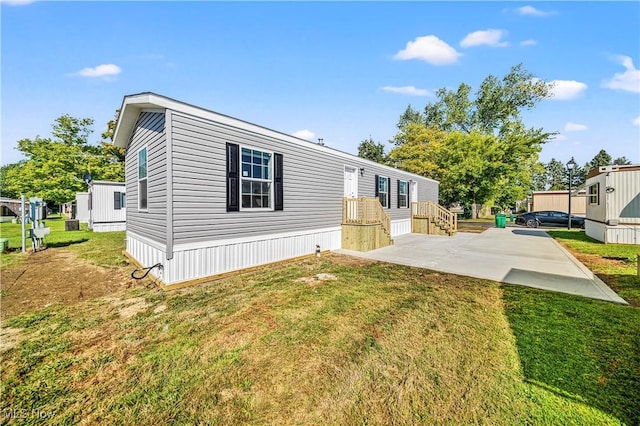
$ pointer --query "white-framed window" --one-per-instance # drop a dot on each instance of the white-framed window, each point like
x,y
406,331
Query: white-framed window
x,y
403,194
594,193
256,175
383,190
142,179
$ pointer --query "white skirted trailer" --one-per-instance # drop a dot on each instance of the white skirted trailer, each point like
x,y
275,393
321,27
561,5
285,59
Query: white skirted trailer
x,y
106,202
613,204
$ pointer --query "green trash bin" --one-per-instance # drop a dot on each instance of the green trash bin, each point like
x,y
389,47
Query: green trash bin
x,y
501,221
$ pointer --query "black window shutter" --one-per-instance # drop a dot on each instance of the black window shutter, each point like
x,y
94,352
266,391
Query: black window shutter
x,y
398,193
408,194
233,184
278,203
117,201
388,193
377,185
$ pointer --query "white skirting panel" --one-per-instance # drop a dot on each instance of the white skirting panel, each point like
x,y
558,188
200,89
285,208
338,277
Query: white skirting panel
x,y
620,234
594,230
202,260
109,227
147,253
400,227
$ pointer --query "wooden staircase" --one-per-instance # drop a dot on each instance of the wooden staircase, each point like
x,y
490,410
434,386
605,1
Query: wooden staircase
x,y
428,217
365,224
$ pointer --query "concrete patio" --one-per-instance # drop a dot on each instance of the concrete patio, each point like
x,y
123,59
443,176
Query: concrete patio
x,y
510,255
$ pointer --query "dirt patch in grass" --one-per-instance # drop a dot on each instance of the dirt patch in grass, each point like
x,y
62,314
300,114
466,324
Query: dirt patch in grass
x,y
344,260
9,338
56,276
597,260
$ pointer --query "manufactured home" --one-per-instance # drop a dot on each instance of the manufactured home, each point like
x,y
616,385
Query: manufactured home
x,y
103,207
559,201
107,206
613,204
210,194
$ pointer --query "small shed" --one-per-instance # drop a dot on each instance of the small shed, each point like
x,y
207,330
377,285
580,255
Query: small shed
x,y
107,206
613,204
559,201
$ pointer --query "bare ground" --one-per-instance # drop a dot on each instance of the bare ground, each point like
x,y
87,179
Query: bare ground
x,y
57,276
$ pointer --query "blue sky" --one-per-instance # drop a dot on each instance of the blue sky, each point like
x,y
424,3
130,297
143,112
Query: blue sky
x,y
337,71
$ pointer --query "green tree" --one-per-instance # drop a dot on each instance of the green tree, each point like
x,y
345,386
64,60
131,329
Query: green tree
x,y
492,117
108,148
419,150
602,158
577,175
621,161
7,173
372,150
53,168
540,177
555,175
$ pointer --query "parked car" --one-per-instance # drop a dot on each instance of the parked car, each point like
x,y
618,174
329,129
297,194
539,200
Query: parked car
x,y
549,218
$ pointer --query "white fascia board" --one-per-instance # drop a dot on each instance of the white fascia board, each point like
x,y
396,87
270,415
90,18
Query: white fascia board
x,y
132,105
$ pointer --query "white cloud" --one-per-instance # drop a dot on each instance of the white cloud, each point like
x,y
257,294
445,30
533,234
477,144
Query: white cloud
x,y
532,11
636,122
528,43
567,89
407,90
429,49
304,134
104,70
629,81
559,137
489,37
574,127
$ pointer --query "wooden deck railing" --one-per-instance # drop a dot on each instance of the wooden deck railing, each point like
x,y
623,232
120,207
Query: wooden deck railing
x,y
365,211
434,211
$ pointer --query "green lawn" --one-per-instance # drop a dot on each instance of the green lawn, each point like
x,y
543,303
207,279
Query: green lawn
x,y
379,344
102,248
615,264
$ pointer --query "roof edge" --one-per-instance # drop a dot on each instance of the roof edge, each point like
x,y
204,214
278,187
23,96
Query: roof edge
x,y
133,104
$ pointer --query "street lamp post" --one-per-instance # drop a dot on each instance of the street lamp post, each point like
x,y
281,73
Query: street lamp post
x,y
570,166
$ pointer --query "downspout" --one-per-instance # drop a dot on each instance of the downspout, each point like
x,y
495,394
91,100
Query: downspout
x,y
168,131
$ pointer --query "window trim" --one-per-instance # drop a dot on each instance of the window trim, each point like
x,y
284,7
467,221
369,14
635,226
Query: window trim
x,y
406,194
272,200
146,178
387,193
595,194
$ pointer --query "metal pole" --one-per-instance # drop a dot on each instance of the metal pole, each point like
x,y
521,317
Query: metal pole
x,y
570,179
22,225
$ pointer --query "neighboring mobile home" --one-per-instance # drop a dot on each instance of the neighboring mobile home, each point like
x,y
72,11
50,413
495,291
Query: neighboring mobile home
x,y
613,204
103,207
210,194
559,201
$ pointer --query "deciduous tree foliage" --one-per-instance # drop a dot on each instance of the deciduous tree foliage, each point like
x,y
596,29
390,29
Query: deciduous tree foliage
x,y
53,167
487,153
372,150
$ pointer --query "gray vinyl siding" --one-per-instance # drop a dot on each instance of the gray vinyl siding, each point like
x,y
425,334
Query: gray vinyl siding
x,y
149,132
313,184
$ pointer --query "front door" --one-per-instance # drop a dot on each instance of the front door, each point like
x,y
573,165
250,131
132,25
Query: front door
x,y
350,182
414,191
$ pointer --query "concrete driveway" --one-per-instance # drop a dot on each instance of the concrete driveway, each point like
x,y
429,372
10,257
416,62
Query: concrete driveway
x,y
522,256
